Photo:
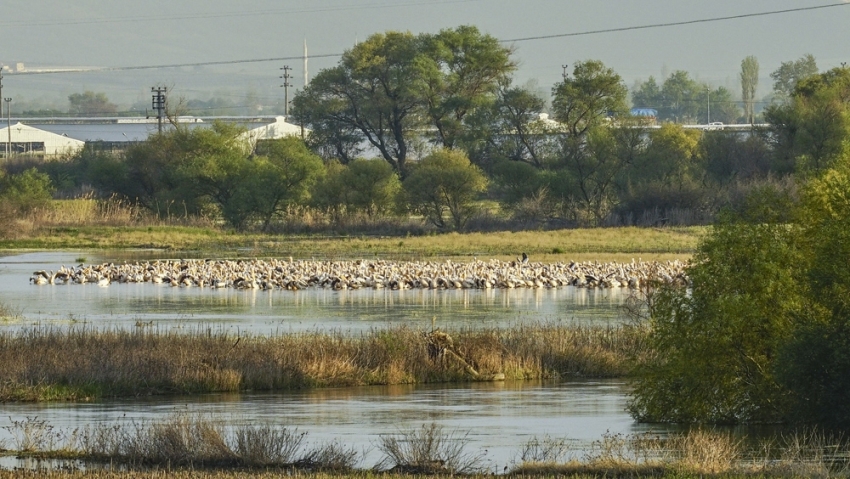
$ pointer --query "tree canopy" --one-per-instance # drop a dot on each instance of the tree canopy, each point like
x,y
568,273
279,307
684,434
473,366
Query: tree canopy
x,y
388,89
91,104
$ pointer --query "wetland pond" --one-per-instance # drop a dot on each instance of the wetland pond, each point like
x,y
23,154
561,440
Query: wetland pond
x,y
498,417
165,307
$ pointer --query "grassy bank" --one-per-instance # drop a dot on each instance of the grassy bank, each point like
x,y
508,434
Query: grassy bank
x,y
88,223
81,364
604,244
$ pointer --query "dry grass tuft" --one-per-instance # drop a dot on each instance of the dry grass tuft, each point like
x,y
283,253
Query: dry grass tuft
x,y
429,450
705,452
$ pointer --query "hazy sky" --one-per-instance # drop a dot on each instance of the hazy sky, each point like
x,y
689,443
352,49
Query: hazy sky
x,y
121,33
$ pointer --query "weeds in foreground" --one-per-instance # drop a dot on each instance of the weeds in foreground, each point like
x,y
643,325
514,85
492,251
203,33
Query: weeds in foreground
x,y
546,450
429,450
196,442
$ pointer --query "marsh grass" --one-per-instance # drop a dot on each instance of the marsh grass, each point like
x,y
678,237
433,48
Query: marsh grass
x,y
9,313
602,244
82,363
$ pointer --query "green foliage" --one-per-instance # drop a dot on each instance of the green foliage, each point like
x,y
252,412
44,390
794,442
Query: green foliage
x,y
811,130
785,77
815,365
445,183
681,99
281,178
91,104
716,346
393,85
463,73
593,93
665,174
749,84
763,333
510,129
25,191
726,157
373,187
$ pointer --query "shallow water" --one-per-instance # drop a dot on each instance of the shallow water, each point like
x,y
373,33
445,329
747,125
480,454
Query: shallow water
x,y
499,417
262,312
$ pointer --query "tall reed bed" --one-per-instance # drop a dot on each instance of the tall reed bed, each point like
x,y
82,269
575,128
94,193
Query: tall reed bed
x,y
82,363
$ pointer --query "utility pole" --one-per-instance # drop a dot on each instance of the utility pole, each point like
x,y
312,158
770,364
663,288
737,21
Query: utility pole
x,y
9,127
286,76
708,104
565,71
158,104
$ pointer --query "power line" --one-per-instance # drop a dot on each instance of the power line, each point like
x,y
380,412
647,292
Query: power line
x,y
673,24
512,40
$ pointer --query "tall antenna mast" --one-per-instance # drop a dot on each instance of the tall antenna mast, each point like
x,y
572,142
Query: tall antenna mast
x,y
306,74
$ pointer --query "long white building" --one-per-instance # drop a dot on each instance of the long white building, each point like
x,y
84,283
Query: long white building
x,y
20,139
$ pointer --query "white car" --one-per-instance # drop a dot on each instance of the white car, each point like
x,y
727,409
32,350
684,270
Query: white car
x,y
715,125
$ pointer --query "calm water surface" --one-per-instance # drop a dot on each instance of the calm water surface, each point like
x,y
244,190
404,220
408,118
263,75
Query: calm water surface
x,y
262,312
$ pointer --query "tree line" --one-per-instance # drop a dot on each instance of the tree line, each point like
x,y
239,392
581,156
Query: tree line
x,y
433,125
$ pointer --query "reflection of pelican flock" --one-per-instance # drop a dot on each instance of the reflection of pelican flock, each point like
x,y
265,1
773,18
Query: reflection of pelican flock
x,y
302,274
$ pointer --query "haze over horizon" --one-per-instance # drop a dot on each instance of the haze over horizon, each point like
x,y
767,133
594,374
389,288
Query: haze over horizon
x,y
121,35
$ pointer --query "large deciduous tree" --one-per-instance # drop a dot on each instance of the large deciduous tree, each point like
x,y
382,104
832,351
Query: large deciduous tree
x,y
584,105
393,88
811,129
785,77
463,73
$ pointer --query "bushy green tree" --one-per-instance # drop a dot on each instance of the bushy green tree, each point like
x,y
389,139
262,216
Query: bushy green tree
x,y
785,77
811,130
815,364
715,346
444,187
24,192
373,187
282,176
762,333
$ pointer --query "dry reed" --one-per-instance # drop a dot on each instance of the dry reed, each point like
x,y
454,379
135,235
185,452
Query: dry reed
x,y
181,444
82,363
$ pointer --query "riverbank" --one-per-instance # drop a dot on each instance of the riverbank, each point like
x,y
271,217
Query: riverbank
x,y
78,364
598,244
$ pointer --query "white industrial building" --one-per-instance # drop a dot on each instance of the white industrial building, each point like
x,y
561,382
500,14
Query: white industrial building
x,y
119,133
20,139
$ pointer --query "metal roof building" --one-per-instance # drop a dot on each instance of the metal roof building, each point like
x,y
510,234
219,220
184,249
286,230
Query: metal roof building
x,y
120,132
27,140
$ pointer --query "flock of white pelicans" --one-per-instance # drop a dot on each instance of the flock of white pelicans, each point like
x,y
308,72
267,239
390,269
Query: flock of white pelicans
x,y
274,274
